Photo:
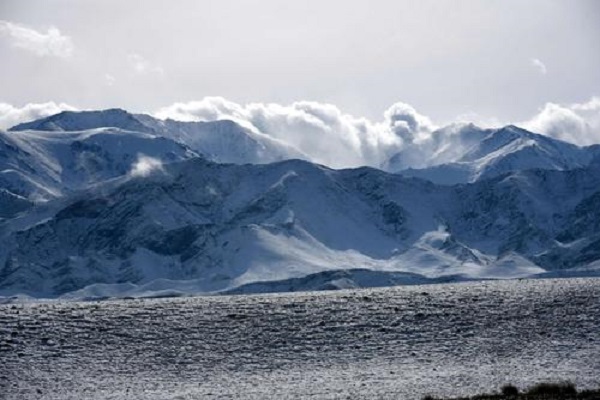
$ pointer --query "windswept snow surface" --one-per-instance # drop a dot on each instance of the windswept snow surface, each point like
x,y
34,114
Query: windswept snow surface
x,y
397,343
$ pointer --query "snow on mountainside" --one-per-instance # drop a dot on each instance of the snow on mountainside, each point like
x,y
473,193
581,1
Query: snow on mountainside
x,y
445,145
220,141
458,153
489,153
84,120
109,202
224,141
220,227
41,165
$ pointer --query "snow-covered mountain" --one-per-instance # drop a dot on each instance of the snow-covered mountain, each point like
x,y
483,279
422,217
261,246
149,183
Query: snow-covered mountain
x,y
457,153
107,202
38,166
218,227
68,121
470,154
225,141
445,145
220,141
53,156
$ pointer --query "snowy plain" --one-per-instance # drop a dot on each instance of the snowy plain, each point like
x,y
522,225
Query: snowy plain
x,y
399,343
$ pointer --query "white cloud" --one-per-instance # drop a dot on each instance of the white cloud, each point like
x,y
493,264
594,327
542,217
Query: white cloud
x,y
577,123
539,65
109,79
145,165
207,109
405,122
319,130
331,137
141,65
50,43
11,115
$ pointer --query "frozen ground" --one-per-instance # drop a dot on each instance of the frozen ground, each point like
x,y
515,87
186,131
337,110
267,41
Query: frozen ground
x,y
400,342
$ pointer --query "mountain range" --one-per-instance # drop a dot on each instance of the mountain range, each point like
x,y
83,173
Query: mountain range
x,y
104,203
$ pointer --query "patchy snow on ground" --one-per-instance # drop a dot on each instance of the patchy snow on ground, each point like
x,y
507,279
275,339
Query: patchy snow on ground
x,y
400,342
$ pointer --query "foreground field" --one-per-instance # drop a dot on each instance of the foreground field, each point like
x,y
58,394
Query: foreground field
x,y
403,342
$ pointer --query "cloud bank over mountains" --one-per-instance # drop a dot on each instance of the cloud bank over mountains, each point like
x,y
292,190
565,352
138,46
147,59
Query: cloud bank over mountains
x,y
335,138
328,135
576,123
332,137
338,139
11,115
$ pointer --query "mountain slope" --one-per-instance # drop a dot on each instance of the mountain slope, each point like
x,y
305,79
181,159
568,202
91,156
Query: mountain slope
x,y
499,151
68,121
457,153
445,145
113,202
219,141
224,141
226,226
41,165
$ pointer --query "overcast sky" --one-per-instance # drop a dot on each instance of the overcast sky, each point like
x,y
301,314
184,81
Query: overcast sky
x,y
484,60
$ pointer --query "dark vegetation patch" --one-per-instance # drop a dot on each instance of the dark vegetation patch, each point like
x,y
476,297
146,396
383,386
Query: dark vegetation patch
x,y
541,391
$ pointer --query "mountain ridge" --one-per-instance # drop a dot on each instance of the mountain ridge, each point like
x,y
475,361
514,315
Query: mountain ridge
x,y
242,224
131,210
506,149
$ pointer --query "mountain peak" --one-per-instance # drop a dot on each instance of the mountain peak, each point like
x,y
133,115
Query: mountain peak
x,y
512,127
82,120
